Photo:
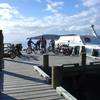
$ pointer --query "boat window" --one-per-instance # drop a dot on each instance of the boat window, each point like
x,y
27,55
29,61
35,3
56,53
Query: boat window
x,y
88,51
92,52
99,53
77,49
95,53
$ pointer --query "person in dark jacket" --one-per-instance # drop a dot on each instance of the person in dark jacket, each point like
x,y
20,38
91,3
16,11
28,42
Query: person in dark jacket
x,y
52,42
43,44
29,43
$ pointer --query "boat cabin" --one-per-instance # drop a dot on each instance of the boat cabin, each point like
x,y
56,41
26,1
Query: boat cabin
x,y
91,43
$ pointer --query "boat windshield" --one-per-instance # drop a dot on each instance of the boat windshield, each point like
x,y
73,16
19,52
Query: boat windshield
x,y
95,41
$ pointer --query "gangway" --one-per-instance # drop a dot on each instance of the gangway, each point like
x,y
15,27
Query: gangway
x,y
21,82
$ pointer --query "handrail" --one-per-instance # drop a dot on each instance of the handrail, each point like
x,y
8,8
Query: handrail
x,y
42,73
66,94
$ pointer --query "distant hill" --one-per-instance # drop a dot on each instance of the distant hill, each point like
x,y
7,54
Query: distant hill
x,y
46,36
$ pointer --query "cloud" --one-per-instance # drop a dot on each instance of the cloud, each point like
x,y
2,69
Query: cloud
x,y
83,20
17,27
7,12
77,6
53,6
90,3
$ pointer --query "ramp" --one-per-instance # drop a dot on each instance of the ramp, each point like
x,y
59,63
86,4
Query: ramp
x,y
21,82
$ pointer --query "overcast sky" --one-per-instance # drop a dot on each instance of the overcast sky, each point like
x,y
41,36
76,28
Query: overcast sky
x,y
20,19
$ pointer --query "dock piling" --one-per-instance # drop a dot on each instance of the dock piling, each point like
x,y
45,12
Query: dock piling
x,y
45,62
1,61
83,56
57,76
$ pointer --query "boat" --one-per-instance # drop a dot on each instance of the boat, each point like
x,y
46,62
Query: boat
x,y
90,42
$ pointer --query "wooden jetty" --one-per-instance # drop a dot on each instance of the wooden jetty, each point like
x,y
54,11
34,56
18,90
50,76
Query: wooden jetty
x,y
18,81
21,82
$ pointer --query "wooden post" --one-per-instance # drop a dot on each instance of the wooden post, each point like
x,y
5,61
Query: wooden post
x,y
1,81
45,61
83,56
1,51
1,61
57,76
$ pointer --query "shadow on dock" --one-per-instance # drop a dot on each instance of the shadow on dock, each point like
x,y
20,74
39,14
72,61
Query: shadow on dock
x,y
24,77
29,57
6,97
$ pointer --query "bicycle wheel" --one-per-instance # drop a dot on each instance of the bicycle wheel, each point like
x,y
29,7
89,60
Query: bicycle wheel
x,y
56,51
28,51
12,55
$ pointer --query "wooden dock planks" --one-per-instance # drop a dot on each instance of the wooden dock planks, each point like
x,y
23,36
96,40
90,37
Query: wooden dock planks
x,y
21,82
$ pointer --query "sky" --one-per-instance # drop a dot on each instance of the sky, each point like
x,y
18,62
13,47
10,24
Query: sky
x,y
20,19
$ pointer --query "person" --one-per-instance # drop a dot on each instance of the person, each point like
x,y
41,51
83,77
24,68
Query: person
x,y
38,44
52,42
29,43
43,44
18,49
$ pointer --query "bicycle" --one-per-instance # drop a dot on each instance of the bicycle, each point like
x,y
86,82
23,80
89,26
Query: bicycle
x,y
30,50
11,51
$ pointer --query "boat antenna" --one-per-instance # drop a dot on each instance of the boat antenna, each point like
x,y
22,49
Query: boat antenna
x,y
94,32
